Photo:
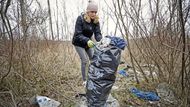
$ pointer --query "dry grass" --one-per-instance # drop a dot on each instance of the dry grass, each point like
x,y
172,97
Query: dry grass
x,y
52,69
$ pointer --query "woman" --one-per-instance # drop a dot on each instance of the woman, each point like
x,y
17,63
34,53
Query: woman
x,y
86,25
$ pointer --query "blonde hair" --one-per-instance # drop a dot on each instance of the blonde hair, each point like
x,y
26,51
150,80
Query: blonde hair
x,y
88,19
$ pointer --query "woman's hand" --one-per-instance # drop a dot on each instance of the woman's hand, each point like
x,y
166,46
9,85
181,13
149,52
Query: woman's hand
x,y
90,44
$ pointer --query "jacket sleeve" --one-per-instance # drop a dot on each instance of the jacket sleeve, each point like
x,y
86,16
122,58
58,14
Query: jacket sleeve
x,y
98,35
78,31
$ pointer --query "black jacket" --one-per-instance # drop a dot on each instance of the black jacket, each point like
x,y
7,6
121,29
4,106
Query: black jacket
x,y
84,31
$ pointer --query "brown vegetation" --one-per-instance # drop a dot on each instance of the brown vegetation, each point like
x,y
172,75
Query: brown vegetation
x,y
32,62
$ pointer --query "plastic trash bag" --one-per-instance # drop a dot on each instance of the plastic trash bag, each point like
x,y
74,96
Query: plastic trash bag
x,y
151,96
118,42
101,75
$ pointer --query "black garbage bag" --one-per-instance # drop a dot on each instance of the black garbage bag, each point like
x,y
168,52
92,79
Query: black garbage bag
x,y
101,75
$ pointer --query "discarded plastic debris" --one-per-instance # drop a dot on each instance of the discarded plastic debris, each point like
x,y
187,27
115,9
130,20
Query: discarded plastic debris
x,y
123,73
118,42
43,101
151,96
112,102
105,42
82,101
115,87
166,93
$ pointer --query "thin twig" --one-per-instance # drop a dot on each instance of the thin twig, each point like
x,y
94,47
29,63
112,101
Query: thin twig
x,y
175,49
12,97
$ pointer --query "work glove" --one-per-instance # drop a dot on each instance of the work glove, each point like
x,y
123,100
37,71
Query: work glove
x,y
90,44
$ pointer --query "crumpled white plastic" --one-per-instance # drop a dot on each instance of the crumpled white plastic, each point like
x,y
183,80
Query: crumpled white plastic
x,y
46,102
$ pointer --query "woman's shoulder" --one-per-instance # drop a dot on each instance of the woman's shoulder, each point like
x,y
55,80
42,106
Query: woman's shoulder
x,y
80,16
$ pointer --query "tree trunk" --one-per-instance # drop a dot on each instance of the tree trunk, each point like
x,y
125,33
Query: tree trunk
x,y
50,20
182,30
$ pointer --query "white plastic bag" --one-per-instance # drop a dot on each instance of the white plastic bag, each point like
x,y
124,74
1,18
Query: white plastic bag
x,y
46,102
